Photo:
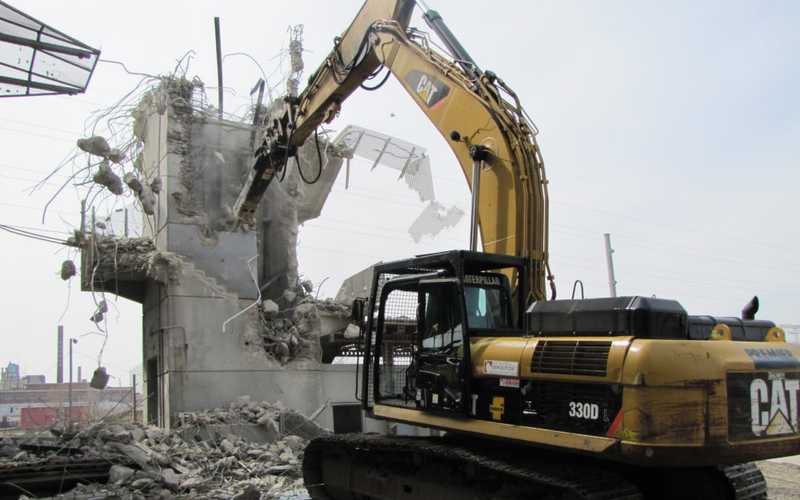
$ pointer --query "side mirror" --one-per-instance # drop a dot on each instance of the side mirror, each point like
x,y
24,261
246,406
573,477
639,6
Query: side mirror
x,y
357,311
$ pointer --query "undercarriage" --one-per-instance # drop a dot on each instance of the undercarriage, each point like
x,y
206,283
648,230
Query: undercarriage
x,y
371,467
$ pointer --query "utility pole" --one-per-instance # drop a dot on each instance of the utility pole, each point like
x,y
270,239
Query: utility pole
x,y
69,389
134,397
612,282
60,356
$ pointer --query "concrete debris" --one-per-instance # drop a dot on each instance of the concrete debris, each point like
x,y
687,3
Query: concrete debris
x,y
433,219
98,146
100,311
352,331
142,191
106,177
150,462
133,182
155,185
68,270
269,307
294,324
134,256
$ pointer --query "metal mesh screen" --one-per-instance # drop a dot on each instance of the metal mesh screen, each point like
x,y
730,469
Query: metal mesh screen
x,y
399,337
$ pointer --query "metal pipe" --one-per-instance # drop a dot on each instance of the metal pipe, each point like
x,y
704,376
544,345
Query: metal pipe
x,y
69,386
60,356
219,64
134,397
473,217
612,282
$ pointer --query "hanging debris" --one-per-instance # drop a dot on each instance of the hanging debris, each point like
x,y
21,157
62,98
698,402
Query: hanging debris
x,y
68,270
106,177
155,185
98,146
295,59
99,314
99,378
142,192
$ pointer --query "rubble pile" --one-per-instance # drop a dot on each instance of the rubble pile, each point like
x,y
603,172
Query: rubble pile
x,y
293,324
204,457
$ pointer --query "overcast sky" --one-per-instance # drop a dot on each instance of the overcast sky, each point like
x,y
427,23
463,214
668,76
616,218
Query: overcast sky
x,y
672,125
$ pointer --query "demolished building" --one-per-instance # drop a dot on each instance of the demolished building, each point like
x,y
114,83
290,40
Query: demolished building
x,y
224,310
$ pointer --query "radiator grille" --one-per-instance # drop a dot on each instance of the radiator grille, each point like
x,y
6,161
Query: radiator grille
x,y
571,357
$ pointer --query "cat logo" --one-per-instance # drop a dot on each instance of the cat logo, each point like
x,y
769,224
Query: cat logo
x,y
773,405
498,407
429,89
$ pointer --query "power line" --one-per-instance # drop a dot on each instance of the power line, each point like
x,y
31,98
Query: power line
x,y
38,135
40,126
29,234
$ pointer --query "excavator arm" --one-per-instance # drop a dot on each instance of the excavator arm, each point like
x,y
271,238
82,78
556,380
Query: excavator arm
x,y
475,111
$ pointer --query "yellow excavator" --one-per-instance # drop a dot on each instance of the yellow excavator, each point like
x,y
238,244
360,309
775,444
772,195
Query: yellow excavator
x,y
528,397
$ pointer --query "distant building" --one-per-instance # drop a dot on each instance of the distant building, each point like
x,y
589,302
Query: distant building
x,y
33,379
43,405
9,377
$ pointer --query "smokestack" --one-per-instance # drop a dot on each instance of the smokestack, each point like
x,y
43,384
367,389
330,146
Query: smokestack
x,y
60,356
79,375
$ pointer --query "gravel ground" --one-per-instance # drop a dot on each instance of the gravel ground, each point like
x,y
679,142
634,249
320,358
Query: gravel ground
x,y
783,477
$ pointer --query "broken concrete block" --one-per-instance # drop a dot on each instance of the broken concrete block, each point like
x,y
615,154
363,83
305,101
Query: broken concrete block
x,y
352,331
269,307
99,313
95,145
251,492
148,200
295,443
135,453
170,479
68,270
142,484
119,474
299,425
155,185
289,296
133,182
106,177
227,446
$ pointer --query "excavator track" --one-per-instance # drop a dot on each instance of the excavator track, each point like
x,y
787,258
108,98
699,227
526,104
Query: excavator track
x,y
373,467
353,466
746,481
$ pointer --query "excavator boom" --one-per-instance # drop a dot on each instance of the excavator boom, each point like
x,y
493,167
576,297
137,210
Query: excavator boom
x,y
476,112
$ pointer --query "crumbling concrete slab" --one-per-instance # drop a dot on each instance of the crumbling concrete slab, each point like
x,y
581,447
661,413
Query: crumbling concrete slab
x,y
253,433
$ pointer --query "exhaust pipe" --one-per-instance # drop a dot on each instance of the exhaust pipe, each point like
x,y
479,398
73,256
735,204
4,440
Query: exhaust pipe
x,y
750,309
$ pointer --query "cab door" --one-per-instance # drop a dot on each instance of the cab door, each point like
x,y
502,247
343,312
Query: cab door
x,y
436,374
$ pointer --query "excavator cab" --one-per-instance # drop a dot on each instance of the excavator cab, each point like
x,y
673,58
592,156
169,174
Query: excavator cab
x,y
422,315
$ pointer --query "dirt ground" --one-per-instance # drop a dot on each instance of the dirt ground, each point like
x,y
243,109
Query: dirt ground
x,y
783,477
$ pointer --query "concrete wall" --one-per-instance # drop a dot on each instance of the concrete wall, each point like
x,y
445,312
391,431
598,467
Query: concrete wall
x,y
202,163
